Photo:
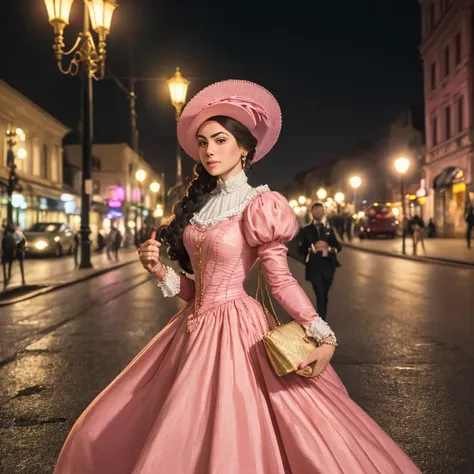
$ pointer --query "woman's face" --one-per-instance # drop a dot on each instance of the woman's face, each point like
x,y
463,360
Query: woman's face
x,y
219,152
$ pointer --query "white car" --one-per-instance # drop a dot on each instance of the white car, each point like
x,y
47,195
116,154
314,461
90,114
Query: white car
x,y
49,238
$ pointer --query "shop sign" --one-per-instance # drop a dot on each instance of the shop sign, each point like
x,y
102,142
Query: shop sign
x,y
114,214
115,203
422,191
65,197
18,200
70,207
116,193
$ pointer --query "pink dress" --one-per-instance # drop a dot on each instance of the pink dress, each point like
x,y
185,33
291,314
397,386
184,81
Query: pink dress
x,y
201,398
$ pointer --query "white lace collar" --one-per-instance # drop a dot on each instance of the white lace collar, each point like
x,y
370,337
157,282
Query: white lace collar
x,y
233,184
224,205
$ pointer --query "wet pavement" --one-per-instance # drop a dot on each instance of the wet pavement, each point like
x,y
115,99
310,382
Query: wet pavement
x,y
454,250
55,270
406,333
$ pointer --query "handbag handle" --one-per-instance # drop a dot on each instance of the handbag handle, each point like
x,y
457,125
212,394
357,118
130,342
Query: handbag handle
x,y
262,290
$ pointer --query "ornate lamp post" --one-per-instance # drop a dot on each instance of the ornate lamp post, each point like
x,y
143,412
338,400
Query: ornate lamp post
x,y
14,136
402,165
140,176
178,87
355,183
84,53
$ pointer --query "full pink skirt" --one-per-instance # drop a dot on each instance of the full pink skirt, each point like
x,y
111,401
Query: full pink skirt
x,y
207,402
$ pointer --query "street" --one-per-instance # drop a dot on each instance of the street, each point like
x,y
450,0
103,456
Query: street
x,y
454,250
57,270
405,332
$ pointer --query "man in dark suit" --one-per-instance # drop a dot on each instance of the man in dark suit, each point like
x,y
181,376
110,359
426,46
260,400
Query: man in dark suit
x,y
319,245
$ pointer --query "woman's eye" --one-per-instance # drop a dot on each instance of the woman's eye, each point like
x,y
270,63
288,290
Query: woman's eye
x,y
220,140
202,143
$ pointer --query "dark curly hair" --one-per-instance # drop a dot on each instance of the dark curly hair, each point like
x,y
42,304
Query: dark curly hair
x,y
198,193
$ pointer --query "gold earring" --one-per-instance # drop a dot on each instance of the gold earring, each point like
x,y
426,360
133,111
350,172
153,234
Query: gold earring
x,y
243,157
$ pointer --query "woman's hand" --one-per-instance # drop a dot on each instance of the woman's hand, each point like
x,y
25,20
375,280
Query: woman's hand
x,y
322,355
149,255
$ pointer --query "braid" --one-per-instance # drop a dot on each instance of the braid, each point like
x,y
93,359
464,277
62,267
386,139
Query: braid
x,y
197,194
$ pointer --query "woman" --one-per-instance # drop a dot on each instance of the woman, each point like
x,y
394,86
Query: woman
x,y
201,397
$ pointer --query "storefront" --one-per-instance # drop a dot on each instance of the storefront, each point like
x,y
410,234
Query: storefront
x,y
450,202
33,205
415,200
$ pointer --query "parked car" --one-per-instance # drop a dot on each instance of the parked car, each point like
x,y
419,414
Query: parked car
x,y
379,220
49,238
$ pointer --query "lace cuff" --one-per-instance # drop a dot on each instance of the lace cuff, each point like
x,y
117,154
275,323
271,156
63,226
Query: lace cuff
x,y
171,283
321,332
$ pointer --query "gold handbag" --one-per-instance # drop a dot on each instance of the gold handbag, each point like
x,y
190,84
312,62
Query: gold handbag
x,y
286,345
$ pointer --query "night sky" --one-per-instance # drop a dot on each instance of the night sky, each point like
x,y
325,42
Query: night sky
x,y
341,70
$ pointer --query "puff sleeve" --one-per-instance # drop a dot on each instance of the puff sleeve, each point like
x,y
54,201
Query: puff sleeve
x,y
269,222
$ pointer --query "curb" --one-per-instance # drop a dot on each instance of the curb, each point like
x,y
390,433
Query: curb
x,y
437,260
51,288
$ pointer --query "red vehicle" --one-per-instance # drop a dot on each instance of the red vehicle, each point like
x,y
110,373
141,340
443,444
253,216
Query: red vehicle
x,y
379,220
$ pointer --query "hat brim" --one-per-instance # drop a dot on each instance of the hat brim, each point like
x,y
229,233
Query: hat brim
x,y
225,98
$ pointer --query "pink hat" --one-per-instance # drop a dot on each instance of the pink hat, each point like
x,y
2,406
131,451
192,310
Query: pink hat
x,y
250,104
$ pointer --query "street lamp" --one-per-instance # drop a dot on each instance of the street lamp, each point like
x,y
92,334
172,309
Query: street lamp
x,y
402,165
158,213
322,194
355,183
154,187
140,176
178,87
14,135
92,58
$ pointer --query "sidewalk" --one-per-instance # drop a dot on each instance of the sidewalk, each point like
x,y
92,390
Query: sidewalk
x,y
43,274
452,251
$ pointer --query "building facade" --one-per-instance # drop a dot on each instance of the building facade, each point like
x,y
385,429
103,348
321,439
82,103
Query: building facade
x,y
404,138
447,54
374,163
117,195
39,166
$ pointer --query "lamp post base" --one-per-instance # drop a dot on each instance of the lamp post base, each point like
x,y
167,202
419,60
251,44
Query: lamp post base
x,y
85,249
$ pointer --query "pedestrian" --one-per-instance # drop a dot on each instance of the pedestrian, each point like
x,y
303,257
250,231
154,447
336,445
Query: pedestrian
x,y
111,240
418,230
8,253
20,241
469,217
118,243
101,243
319,245
13,248
431,229
201,397
339,226
348,225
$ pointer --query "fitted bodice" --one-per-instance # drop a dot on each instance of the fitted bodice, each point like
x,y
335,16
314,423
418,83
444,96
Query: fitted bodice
x,y
221,259
223,253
